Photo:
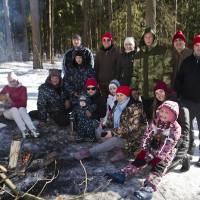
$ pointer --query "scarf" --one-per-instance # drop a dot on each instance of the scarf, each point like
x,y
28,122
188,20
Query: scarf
x,y
118,111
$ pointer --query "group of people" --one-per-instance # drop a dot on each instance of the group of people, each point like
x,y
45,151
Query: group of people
x,y
138,103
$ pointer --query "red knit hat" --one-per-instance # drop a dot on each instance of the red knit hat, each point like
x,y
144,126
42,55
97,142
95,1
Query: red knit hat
x,y
180,35
124,90
196,39
108,35
91,81
161,85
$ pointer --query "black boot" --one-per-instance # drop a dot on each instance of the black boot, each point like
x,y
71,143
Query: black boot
x,y
185,164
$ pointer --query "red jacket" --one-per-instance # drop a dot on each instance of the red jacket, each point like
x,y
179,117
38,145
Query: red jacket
x,y
18,95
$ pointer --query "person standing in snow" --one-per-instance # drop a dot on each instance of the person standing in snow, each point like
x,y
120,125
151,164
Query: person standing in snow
x,y
105,63
126,61
179,52
70,54
18,101
187,86
78,73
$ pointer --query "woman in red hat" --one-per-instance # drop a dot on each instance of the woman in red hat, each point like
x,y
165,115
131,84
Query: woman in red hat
x,y
123,130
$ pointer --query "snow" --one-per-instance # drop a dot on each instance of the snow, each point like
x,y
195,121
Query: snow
x,y
175,185
29,77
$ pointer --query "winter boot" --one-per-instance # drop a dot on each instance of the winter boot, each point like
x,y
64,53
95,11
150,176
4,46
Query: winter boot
x,y
116,177
119,155
82,154
185,164
144,193
34,133
25,133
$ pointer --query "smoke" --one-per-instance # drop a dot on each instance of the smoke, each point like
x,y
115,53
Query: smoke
x,y
19,39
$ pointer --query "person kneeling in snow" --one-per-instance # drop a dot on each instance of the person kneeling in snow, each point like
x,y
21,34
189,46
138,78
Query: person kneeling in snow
x,y
17,109
158,150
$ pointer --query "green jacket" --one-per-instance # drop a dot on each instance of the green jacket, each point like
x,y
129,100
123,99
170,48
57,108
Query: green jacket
x,y
151,64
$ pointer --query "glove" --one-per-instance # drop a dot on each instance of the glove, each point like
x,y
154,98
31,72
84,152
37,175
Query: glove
x,y
116,177
148,157
155,161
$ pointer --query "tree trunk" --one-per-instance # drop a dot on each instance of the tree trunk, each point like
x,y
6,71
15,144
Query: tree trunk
x,y
25,53
150,13
107,5
110,11
51,38
34,8
9,41
86,19
98,16
129,19
175,16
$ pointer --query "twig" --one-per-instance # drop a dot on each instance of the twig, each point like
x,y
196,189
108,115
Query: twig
x,y
50,180
31,187
86,178
7,192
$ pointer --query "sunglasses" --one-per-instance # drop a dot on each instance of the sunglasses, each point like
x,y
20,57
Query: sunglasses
x,y
106,40
91,88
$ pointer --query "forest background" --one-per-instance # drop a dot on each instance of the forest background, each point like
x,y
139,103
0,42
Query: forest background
x,y
40,29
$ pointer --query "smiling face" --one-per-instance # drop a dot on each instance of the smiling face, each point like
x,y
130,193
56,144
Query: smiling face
x,y
113,89
166,115
129,47
179,44
160,95
91,90
121,97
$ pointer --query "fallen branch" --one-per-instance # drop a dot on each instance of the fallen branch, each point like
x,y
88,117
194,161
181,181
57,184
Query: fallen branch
x,y
50,180
86,178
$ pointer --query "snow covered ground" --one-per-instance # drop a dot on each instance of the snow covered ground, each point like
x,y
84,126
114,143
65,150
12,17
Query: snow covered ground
x,y
175,185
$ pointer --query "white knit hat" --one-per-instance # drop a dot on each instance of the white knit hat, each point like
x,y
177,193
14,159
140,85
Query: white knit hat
x,y
12,76
129,40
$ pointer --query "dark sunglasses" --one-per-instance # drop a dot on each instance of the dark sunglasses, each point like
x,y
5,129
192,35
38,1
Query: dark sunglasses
x,y
106,40
91,88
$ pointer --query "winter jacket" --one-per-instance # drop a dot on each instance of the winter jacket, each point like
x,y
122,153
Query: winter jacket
x,y
188,79
100,103
85,126
160,138
151,64
18,95
50,100
75,80
106,64
69,56
132,126
125,67
177,59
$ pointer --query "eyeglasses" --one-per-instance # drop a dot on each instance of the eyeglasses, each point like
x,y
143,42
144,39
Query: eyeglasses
x,y
106,40
91,88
